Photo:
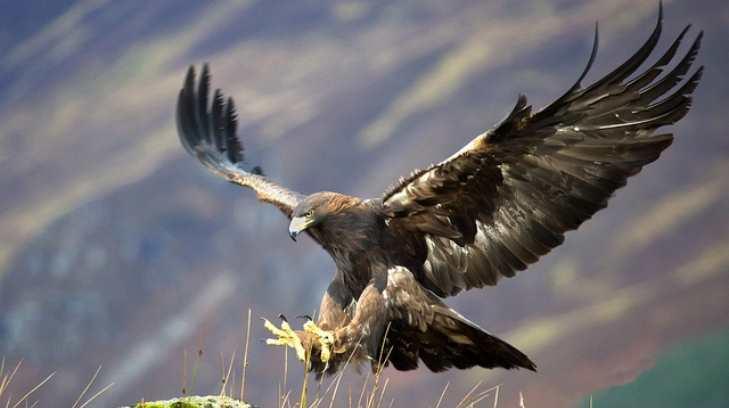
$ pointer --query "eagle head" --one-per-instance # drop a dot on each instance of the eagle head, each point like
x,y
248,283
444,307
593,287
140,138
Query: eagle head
x,y
316,209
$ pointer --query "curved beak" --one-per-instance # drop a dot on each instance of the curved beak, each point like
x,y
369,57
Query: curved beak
x,y
298,225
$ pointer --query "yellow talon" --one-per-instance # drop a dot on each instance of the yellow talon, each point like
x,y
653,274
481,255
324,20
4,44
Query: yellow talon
x,y
326,339
286,337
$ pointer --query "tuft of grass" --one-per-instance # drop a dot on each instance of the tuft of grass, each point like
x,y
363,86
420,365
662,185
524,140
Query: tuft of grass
x,y
6,378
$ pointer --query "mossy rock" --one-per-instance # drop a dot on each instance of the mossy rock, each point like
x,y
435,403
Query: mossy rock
x,y
211,401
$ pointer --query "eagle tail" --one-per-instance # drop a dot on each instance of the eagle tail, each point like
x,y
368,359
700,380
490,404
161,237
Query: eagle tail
x,y
451,340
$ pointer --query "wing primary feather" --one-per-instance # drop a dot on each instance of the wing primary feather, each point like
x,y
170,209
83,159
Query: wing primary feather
x,y
186,111
202,104
218,121
183,124
552,107
649,75
593,54
635,61
234,147
665,112
189,102
674,77
674,100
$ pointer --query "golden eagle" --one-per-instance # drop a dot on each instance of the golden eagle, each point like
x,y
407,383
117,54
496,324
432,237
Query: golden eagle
x,y
488,211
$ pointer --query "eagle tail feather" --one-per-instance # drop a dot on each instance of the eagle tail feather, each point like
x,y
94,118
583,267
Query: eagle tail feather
x,y
449,341
465,345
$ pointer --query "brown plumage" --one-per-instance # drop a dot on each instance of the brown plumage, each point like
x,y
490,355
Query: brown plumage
x,y
496,206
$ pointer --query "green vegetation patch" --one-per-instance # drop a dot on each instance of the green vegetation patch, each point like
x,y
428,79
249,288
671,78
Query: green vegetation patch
x,y
693,374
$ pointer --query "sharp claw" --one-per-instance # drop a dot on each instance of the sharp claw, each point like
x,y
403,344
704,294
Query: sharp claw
x,y
283,318
304,317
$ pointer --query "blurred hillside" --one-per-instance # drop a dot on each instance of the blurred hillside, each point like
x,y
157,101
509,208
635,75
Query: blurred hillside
x,y
119,249
679,378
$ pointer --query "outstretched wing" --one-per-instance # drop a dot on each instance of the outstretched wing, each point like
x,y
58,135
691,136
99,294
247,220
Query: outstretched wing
x,y
208,132
509,196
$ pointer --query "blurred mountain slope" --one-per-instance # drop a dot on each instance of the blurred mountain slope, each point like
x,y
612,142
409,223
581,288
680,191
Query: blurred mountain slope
x,y
679,378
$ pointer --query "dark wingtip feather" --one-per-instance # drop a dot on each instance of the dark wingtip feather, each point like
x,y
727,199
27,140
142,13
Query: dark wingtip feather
x,y
233,144
672,78
552,107
218,121
591,60
190,77
186,117
635,61
203,92
182,124
208,126
660,11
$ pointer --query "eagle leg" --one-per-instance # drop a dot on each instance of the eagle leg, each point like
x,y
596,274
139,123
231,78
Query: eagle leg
x,y
287,337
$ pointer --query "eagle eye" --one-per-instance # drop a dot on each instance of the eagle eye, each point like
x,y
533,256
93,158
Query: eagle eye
x,y
309,213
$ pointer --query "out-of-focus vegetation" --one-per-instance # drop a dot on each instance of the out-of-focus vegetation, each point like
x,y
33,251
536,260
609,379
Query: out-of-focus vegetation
x,y
694,374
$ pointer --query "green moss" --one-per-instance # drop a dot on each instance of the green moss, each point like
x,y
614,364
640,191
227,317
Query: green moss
x,y
195,402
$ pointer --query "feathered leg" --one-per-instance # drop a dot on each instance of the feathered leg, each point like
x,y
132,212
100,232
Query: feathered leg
x,y
366,329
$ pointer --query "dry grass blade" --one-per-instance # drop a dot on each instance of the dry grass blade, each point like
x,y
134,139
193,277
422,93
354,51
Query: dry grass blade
x,y
382,393
88,385
381,359
34,389
184,372
196,366
7,379
364,387
279,396
468,394
318,397
226,378
521,400
442,395
285,399
2,377
93,397
339,378
245,357
478,398
482,395
286,370
304,398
